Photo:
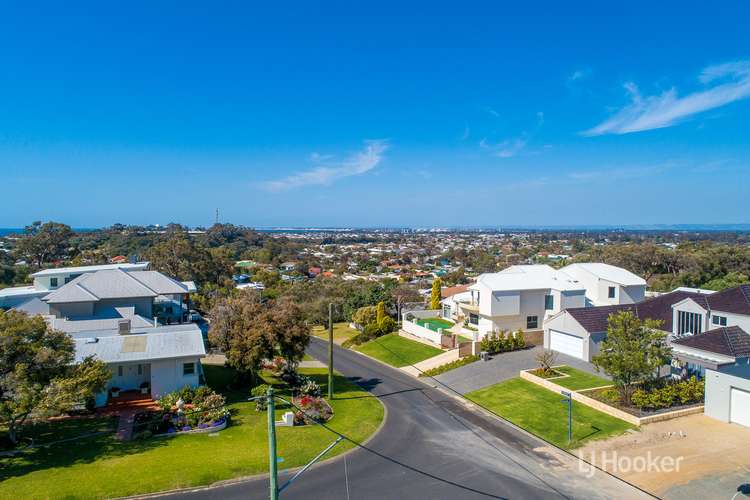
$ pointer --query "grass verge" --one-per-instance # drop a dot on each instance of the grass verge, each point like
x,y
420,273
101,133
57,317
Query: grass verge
x,y
102,467
397,351
341,332
543,413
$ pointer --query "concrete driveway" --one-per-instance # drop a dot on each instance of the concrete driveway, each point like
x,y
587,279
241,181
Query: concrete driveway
x,y
502,367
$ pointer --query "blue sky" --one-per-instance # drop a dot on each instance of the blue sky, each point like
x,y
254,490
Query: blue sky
x,y
375,114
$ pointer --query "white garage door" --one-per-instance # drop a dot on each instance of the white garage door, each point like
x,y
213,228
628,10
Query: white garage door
x,y
566,343
739,411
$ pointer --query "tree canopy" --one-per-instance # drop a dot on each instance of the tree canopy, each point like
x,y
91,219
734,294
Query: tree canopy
x,y
632,352
46,242
248,331
37,373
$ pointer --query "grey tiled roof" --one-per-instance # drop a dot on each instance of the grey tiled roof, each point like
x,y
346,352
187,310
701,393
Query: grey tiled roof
x,y
594,319
115,284
728,340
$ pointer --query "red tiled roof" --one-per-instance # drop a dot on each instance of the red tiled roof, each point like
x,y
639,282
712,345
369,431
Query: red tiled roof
x,y
452,290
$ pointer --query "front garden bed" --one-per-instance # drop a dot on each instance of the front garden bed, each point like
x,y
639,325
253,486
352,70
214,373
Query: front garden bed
x,y
650,402
188,410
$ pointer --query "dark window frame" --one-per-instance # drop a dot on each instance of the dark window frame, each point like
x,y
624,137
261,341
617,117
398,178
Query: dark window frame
x,y
532,323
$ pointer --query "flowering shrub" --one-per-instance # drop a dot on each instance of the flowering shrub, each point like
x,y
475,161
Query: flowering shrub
x,y
314,409
277,365
202,407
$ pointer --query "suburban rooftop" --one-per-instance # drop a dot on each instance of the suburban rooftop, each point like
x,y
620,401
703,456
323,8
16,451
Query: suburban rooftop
x,y
528,277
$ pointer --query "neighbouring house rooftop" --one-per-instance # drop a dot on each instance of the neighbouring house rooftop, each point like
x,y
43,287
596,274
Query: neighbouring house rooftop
x,y
527,277
727,340
608,272
141,347
138,266
115,283
452,290
594,319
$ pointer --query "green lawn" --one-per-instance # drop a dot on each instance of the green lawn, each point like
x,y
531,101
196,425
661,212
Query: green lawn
x,y
543,413
397,351
102,467
436,323
341,332
578,380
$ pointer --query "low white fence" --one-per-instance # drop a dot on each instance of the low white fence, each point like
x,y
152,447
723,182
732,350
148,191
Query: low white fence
x,y
420,331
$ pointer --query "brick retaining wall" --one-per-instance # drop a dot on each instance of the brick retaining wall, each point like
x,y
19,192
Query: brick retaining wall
x,y
610,410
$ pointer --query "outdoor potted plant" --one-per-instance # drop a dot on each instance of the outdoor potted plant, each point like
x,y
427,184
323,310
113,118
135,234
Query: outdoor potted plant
x,y
114,392
145,387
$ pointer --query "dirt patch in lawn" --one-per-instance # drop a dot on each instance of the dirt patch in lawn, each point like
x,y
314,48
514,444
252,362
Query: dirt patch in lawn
x,y
705,448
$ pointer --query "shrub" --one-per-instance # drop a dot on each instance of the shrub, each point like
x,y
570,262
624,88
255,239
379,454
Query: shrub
x,y
314,409
310,388
257,391
387,325
546,359
449,366
371,331
670,394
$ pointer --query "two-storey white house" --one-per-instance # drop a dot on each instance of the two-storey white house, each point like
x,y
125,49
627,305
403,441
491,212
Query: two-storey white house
x,y
520,297
606,284
525,296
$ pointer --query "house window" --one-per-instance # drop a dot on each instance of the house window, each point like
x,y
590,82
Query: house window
x,y
119,370
719,320
446,311
188,368
53,282
473,319
688,322
532,322
611,292
549,302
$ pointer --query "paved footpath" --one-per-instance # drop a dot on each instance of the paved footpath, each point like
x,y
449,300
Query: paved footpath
x,y
431,446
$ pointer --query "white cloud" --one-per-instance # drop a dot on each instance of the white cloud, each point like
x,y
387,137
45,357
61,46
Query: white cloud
x,y
579,75
504,149
356,164
731,82
492,112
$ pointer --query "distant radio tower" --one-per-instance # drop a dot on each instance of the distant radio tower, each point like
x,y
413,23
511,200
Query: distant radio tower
x,y
217,215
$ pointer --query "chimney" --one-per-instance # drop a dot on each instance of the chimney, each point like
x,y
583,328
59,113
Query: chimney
x,y
123,326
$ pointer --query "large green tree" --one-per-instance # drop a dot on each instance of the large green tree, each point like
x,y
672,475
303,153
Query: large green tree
x,y
632,352
43,243
248,331
181,257
38,376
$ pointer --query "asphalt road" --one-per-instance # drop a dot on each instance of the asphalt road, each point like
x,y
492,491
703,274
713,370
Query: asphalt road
x,y
430,447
